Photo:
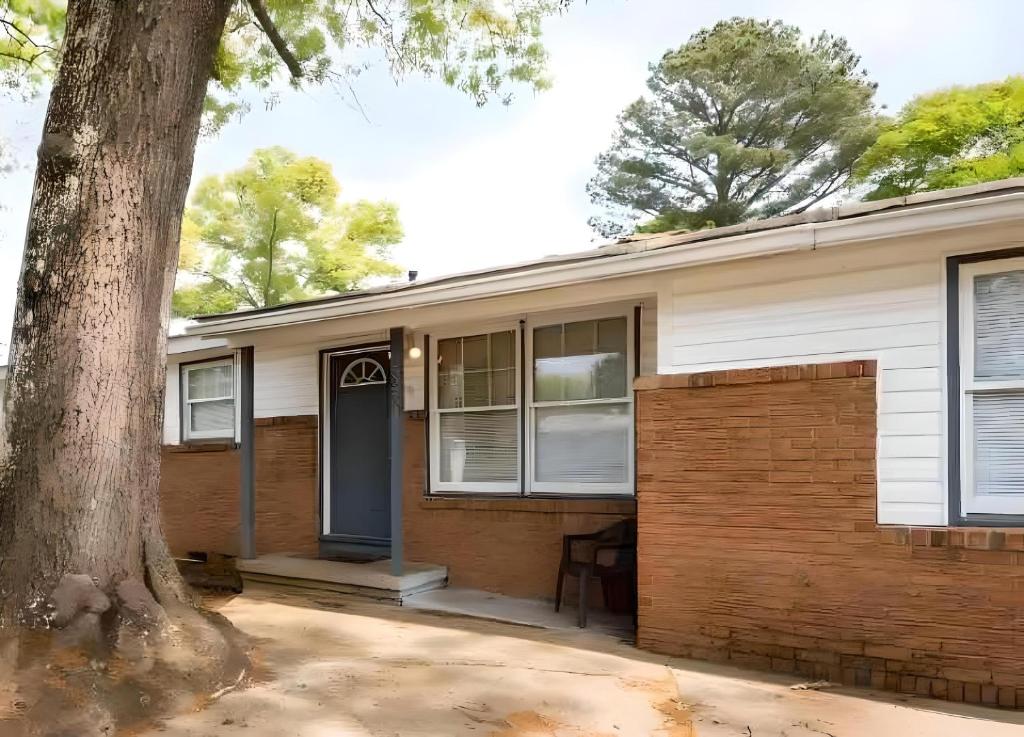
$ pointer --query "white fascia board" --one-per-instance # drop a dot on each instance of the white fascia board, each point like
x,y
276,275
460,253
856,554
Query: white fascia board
x,y
924,219
943,215
188,343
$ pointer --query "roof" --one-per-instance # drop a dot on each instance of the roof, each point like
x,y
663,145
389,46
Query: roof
x,y
808,230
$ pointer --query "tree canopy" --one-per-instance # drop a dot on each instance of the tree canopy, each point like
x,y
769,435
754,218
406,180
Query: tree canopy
x,y
476,46
274,231
747,119
949,138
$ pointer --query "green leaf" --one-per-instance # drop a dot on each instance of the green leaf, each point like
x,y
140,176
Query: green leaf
x,y
747,119
274,231
950,138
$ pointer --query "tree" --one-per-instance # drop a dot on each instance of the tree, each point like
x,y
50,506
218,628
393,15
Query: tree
x,y
744,120
950,138
274,232
79,513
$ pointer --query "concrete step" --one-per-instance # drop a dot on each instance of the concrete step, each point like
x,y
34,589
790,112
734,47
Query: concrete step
x,y
372,580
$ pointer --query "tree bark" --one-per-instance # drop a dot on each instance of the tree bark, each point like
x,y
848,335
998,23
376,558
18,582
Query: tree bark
x,y
79,490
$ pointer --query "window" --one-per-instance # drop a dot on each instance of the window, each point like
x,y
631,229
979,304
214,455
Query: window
x,y
581,419
208,400
571,431
991,297
476,413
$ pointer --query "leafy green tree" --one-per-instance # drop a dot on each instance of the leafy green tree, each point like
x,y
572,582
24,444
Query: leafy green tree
x,y
745,120
274,231
950,138
133,83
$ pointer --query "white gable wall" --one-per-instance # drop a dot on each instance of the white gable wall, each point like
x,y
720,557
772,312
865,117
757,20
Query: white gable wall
x,y
882,301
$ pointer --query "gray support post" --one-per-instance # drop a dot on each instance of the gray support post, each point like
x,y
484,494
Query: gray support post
x,y
396,443
247,454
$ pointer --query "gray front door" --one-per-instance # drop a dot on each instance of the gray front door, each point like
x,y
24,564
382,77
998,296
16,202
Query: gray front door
x,y
360,508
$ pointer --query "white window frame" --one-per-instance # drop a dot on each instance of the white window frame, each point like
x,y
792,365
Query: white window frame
x,y
970,503
187,434
549,488
474,487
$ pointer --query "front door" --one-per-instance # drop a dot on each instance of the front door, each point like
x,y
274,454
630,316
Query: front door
x,y
360,504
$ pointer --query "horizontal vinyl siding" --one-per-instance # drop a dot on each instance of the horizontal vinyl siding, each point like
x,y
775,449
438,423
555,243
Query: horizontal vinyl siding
x,y
285,381
172,406
853,307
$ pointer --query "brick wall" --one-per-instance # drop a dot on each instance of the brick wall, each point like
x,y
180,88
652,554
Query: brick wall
x,y
759,546
508,546
200,488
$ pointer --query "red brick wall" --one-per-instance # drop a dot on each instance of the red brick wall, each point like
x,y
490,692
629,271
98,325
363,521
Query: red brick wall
x,y
200,487
199,490
508,546
758,543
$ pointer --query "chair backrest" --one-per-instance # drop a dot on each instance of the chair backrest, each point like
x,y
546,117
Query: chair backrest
x,y
622,532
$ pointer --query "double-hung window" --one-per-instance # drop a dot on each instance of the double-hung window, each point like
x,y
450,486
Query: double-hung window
x,y
475,417
208,400
544,407
581,408
991,296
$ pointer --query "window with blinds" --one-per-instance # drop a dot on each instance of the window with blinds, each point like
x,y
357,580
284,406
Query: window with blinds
x,y
477,413
208,400
992,386
581,407
545,407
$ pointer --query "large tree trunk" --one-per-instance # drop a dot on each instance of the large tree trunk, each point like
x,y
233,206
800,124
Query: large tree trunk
x,y
84,395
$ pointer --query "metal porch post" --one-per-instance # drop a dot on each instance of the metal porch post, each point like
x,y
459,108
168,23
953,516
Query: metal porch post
x,y
247,454
396,443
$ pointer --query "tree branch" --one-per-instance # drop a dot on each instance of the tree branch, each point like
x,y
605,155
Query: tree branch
x,y
279,44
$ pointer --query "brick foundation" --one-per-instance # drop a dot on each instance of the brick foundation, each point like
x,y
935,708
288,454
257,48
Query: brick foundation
x,y
508,546
200,488
759,546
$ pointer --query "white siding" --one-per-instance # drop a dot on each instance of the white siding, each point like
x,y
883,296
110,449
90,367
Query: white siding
x,y
285,380
172,405
853,303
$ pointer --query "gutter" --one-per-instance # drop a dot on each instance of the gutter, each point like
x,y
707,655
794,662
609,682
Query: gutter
x,y
628,260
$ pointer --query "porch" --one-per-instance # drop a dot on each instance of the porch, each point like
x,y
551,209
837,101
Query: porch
x,y
372,579
420,586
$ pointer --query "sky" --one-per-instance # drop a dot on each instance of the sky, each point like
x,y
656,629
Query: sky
x,y
479,187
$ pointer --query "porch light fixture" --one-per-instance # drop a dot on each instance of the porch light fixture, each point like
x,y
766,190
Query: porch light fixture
x,y
415,352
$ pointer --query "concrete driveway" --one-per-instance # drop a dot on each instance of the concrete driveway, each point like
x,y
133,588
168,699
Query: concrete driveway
x,y
329,667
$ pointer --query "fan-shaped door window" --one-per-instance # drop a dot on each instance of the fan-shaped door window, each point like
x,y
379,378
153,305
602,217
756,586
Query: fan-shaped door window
x,y
363,372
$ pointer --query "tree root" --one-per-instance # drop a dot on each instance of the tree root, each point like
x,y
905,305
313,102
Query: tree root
x,y
113,661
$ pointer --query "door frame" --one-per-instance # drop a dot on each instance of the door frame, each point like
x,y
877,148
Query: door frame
x,y
324,448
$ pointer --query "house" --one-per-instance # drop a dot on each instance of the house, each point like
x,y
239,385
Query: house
x,y
818,421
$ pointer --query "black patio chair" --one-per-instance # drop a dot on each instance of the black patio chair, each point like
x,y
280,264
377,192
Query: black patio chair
x,y
609,555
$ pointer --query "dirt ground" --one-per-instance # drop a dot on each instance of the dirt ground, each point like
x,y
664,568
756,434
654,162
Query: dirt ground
x,y
330,667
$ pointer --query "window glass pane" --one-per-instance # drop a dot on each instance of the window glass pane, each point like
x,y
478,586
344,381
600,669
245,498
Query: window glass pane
x,y
479,446
592,364
476,378
999,325
449,373
218,416
998,443
580,338
476,371
209,382
582,444
547,341
503,368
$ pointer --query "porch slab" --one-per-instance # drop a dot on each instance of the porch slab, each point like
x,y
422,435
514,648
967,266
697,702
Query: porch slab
x,y
528,612
371,580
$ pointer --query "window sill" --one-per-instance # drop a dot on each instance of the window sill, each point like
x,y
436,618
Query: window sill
x,y
963,538
573,505
202,446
